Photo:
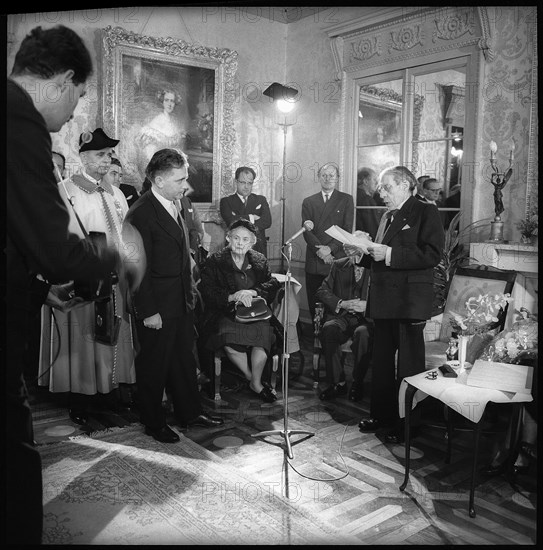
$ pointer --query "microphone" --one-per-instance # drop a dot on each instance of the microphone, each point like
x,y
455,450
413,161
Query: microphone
x,y
308,226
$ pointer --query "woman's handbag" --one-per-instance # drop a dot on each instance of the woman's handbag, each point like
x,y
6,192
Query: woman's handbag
x,y
257,311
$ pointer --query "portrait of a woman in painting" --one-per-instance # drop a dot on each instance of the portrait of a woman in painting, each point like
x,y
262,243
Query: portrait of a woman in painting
x,y
165,130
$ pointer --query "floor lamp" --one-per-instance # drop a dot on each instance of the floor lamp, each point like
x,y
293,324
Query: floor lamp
x,y
283,98
281,94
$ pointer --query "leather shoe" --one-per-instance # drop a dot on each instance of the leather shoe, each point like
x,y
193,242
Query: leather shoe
x,y
206,421
356,392
78,416
266,394
164,434
397,436
333,391
370,425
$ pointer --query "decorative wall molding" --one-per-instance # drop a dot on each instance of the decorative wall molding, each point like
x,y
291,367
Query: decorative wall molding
x,y
452,27
533,136
360,47
365,48
485,42
406,38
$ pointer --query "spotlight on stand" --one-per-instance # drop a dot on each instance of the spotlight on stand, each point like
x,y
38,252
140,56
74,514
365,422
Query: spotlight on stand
x,y
283,97
284,100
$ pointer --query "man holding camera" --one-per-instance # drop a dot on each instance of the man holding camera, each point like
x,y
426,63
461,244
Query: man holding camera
x,y
82,363
39,249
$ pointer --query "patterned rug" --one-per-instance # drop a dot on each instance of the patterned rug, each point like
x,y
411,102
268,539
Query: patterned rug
x,y
123,487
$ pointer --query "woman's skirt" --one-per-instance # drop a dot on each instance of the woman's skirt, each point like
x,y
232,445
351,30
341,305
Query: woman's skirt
x,y
242,335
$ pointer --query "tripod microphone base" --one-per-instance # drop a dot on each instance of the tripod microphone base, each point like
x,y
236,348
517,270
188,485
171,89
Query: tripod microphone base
x,y
285,435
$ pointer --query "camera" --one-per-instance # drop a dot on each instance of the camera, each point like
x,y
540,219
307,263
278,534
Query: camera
x,y
92,290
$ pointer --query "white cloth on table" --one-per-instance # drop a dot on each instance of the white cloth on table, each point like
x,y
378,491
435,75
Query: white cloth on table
x,y
293,343
469,401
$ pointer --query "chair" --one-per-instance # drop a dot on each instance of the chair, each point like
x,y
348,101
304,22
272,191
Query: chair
x,y
219,355
317,346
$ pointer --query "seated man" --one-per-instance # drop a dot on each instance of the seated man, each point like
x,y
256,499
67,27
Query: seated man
x,y
341,293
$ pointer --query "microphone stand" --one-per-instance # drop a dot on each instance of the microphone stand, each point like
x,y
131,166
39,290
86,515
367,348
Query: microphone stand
x,y
285,432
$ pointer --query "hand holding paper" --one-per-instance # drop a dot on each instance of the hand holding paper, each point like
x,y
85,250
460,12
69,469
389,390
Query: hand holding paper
x,y
353,243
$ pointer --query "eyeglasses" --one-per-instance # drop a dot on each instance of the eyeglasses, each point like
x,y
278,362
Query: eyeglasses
x,y
329,176
432,375
434,190
249,182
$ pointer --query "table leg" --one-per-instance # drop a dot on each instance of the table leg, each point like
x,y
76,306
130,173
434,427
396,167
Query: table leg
x,y
450,428
409,393
476,438
514,436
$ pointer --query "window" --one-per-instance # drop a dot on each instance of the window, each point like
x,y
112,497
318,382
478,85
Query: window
x,y
414,117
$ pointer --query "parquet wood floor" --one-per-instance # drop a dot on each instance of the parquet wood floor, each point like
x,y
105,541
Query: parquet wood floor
x,y
349,479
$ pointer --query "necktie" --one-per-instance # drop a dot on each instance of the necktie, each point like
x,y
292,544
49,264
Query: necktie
x,y
383,225
109,218
390,215
326,197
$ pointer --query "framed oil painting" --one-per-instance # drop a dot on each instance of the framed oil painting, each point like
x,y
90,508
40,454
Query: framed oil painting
x,y
165,93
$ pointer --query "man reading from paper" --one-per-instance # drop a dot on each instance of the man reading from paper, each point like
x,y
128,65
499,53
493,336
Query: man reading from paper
x,y
408,245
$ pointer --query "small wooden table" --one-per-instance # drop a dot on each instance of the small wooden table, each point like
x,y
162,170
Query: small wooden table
x,y
469,401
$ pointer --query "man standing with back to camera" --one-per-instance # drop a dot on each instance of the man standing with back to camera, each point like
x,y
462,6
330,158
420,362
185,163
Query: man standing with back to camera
x,y
39,250
408,245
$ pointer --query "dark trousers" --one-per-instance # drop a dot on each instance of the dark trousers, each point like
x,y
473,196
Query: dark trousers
x,y
22,507
334,333
166,361
406,337
312,283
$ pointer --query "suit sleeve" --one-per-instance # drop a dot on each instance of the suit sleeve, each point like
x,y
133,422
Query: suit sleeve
x,y
426,252
37,219
347,224
265,220
144,299
325,292
308,214
226,212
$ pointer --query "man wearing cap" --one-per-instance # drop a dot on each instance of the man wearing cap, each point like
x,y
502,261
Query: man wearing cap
x,y
71,359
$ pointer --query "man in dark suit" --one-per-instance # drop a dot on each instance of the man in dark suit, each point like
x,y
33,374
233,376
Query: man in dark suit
x,y
39,249
164,303
400,296
326,208
342,294
245,204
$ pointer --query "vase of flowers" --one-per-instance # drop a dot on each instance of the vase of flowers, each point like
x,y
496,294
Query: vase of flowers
x,y
481,316
528,228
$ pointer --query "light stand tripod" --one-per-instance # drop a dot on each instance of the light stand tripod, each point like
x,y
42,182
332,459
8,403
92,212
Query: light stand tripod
x,y
285,432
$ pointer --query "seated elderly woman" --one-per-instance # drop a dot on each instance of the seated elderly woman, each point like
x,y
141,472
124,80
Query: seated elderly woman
x,y
237,274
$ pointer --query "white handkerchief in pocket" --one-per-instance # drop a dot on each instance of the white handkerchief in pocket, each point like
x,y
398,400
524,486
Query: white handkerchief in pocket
x,y
406,226
258,206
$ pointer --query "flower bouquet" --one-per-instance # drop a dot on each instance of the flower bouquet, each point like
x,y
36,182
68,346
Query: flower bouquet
x,y
517,344
481,316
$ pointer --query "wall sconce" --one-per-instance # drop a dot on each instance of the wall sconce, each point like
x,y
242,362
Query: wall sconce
x,y
283,98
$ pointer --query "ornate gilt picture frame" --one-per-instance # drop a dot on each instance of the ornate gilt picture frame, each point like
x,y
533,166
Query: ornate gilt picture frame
x,y
165,93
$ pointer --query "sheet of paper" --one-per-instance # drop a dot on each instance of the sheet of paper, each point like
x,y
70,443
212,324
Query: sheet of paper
x,y
348,238
501,376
